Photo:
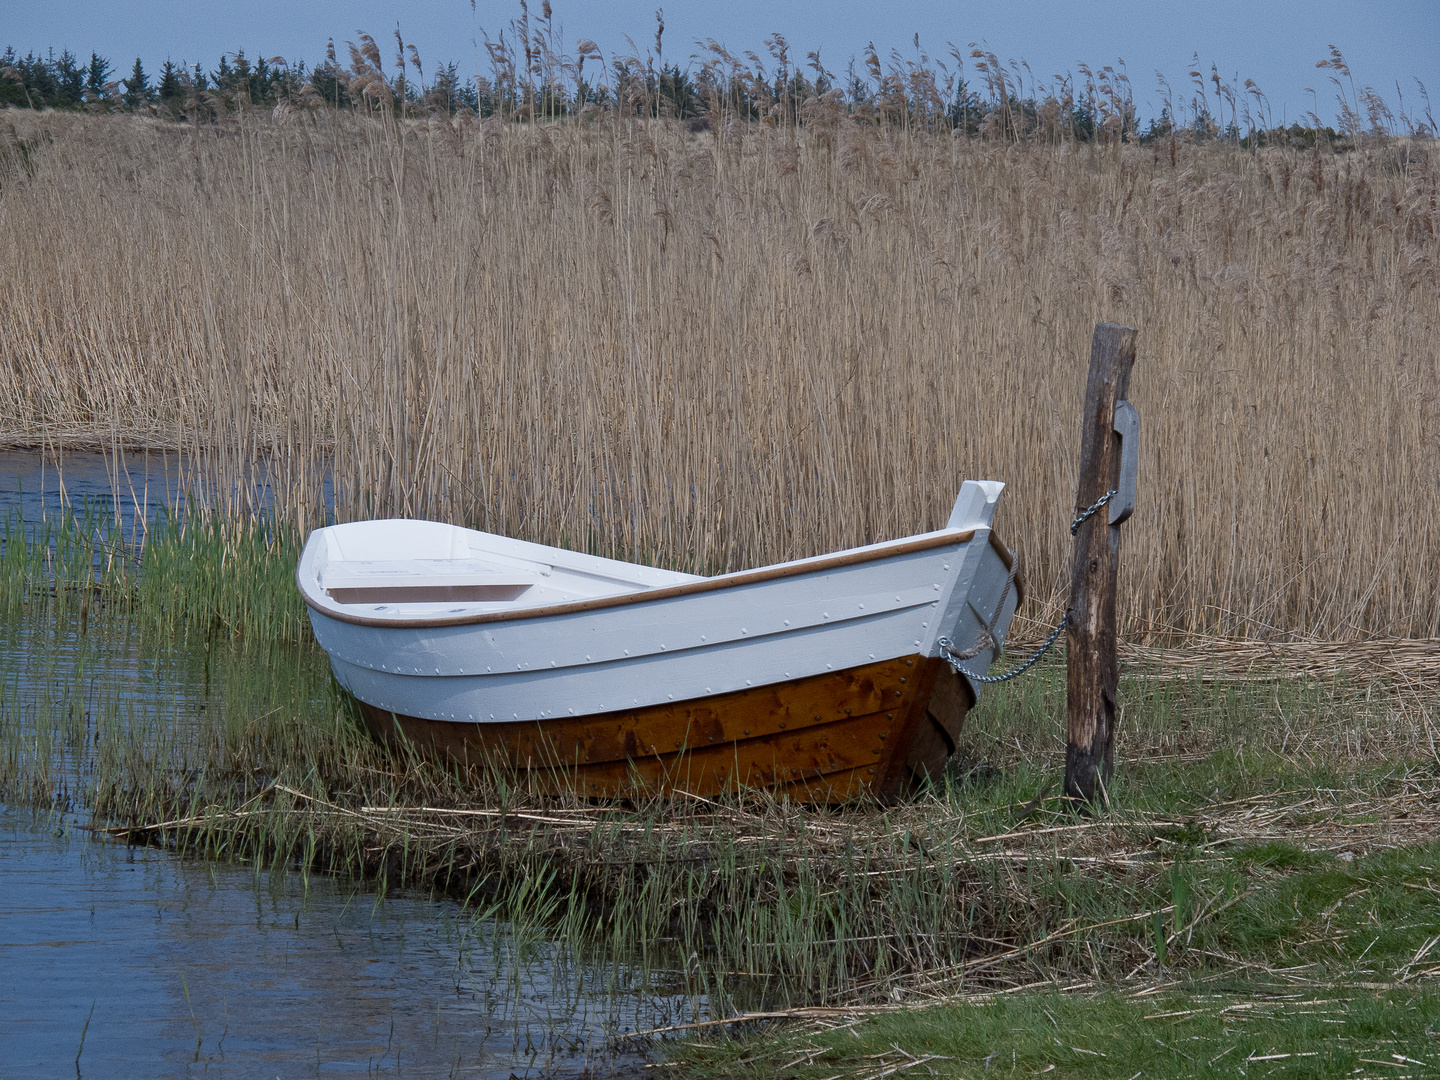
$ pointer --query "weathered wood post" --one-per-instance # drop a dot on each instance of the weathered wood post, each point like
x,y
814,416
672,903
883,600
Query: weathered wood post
x,y
1092,667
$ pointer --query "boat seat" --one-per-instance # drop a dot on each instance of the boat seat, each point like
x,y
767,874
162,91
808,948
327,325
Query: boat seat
x,y
418,581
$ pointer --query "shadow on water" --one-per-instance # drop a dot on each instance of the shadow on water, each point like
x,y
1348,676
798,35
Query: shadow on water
x,y
146,963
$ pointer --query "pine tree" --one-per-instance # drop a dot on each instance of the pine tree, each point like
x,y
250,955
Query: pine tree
x,y
171,87
444,92
39,74
137,88
12,83
260,81
240,80
325,78
70,80
171,90
96,75
223,76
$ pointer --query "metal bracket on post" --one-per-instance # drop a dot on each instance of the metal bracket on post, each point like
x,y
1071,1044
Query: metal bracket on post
x,y
1127,426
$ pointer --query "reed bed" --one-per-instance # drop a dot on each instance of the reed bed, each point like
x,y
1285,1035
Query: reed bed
x,y
719,349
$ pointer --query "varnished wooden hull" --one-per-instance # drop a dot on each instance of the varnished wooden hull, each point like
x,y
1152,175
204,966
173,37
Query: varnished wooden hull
x,y
870,731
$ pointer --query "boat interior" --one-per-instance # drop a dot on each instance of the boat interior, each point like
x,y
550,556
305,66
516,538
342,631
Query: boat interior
x,y
402,569
446,569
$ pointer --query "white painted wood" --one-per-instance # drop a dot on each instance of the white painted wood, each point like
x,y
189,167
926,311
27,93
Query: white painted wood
x,y
403,573
434,554
975,505
647,652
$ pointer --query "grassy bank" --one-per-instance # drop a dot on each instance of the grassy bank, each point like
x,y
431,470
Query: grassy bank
x,y
1258,821
726,349
1253,903
1343,1030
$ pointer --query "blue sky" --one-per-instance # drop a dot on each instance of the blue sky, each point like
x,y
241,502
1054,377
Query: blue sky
x,y
1277,44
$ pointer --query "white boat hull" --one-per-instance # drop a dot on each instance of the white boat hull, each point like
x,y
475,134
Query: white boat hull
x,y
627,648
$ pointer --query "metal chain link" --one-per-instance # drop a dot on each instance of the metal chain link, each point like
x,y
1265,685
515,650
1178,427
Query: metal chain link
x,y
986,639
1091,510
953,658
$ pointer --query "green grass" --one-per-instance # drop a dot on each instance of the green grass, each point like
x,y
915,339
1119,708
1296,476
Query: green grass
x,y
1238,904
1333,1033
190,574
1320,968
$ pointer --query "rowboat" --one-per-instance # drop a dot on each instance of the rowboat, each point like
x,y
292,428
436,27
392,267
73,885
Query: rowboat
x,y
821,679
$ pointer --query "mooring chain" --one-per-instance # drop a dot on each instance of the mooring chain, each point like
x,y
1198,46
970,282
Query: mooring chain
x,y
986,638
953,658
1091,510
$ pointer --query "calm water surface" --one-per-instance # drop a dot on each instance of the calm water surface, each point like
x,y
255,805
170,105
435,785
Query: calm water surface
x,y
169,967
37,489
131,487
119,961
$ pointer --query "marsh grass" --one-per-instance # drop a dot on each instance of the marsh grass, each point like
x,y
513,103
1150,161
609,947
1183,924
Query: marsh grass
x,y
724,350
1273,847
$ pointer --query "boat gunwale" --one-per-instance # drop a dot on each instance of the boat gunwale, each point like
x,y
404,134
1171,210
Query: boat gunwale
x,y
904,546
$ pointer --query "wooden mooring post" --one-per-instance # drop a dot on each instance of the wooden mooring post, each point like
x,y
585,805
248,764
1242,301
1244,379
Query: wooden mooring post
x,y
1109,435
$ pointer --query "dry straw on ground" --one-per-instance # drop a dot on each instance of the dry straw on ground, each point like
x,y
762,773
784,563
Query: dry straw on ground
x,y
716,350
964,893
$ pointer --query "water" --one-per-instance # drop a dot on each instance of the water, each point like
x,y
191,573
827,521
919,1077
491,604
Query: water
x,y
133,487
168,967
183,967
146,485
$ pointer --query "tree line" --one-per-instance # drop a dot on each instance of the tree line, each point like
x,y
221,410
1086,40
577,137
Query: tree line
x,y
530,75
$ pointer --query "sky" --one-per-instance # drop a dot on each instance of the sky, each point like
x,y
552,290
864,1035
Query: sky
x,y
1387,43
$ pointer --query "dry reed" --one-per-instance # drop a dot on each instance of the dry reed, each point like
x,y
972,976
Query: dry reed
x,y
722,349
